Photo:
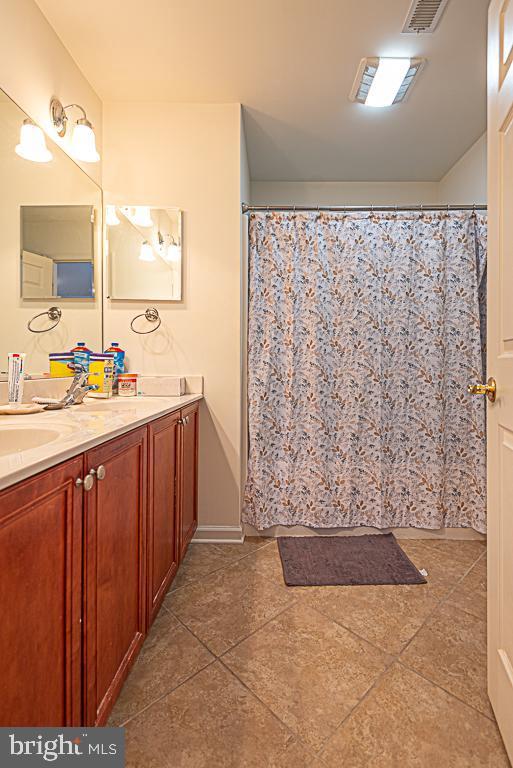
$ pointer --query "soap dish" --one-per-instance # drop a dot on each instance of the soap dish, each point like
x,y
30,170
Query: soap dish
x,y
17,409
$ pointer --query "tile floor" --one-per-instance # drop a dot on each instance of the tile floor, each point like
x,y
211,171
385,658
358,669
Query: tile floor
x,y
240,671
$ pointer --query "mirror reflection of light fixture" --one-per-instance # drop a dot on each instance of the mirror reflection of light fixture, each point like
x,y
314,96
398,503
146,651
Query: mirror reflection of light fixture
x,y
146,252
32,144
172,252
83,139
142,217
111,218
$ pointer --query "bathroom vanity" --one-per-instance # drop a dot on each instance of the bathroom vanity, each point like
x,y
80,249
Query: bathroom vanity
x,y
93,525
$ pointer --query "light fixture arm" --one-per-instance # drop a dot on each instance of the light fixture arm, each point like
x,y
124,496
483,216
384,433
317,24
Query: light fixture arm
x,y
60,118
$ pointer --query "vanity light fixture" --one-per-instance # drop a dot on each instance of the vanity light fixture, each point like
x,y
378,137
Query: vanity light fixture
x,y
83,139
111,218
146,252
32,144
381,82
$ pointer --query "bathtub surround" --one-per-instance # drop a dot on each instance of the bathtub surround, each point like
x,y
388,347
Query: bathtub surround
x,y
364,330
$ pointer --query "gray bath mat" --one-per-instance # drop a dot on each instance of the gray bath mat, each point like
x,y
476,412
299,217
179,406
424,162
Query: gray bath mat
x,y
317,561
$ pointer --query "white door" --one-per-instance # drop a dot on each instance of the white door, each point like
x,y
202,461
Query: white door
x,y
500,365
37,276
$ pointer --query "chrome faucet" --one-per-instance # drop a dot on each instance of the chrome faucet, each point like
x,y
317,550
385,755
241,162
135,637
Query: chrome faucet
x,y
78,389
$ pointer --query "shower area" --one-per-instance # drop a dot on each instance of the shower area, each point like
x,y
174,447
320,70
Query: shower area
x,y
365,327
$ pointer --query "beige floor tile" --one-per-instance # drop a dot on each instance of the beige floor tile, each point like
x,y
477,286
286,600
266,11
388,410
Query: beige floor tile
x,y
200,560
170,655
450,650
233,552
268,562
308,670
466,551
212,721
444,563
470,594
203,559
228,605
407,721
387,616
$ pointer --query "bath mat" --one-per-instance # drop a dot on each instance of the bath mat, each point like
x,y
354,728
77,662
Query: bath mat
x,y
318,561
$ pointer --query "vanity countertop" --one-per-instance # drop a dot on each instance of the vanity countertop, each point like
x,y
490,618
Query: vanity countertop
x,y
75,429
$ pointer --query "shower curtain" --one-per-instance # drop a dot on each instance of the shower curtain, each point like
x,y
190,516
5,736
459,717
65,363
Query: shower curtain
x,y
364,331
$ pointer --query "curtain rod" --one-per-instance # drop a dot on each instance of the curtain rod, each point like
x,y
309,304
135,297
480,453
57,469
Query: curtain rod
x,y
363,208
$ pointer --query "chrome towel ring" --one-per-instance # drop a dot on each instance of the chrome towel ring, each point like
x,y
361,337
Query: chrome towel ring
x,y
54,314
152,316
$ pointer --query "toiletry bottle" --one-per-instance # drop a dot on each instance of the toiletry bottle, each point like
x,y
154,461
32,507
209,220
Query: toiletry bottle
x,y
119,361
81,355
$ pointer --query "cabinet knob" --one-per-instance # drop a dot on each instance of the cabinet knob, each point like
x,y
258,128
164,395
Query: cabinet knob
x,y
100,472
87,482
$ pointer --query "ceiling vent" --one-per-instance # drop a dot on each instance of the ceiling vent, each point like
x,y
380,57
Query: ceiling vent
x,y
424,16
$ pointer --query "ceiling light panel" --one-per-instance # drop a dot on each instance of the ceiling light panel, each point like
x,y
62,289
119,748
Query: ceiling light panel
x,y
388,74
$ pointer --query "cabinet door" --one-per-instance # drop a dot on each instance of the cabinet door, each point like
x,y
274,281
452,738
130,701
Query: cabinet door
x,y
163,544
189,476
40,599
114,597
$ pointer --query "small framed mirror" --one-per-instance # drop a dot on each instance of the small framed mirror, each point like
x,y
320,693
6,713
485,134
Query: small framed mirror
x,y
144,252
57,252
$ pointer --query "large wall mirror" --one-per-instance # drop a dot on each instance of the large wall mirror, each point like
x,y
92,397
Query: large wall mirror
x,y
144,252
50,240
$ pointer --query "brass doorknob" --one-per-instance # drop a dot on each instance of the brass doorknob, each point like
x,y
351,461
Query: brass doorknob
x,y
489,389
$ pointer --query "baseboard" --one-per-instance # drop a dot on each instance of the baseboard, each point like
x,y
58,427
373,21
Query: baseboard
x,y
462,534
218,534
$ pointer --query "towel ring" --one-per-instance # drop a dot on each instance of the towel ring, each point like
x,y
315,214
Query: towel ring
x,y
54,314
152,316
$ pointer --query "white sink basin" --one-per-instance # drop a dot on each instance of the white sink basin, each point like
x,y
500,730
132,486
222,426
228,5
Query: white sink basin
x,y
14,439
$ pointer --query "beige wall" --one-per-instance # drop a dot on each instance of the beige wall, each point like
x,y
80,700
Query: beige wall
x,y
35,65
189,156
466,181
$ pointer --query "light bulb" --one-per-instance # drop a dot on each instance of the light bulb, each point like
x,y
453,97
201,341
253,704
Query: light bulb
x,y
174,253
32,144
142,217
111,218
83,142
146,252
387,81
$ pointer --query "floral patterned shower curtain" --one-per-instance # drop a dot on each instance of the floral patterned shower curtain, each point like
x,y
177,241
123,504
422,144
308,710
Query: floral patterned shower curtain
x,y
364,331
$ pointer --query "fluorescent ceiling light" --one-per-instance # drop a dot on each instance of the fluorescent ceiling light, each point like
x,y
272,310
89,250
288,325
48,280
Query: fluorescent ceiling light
x,y
385,81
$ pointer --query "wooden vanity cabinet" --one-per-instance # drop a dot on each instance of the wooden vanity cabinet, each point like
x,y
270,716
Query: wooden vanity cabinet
x,y
189,476
88,550
164,442
40,599
114,610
